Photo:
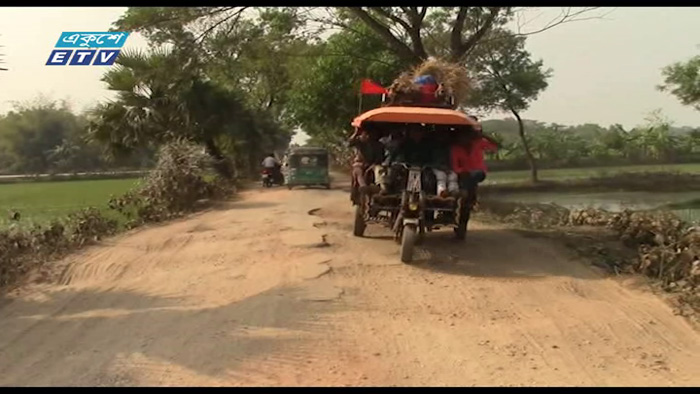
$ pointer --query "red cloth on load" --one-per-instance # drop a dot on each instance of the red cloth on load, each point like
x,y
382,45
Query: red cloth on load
x,y
428,93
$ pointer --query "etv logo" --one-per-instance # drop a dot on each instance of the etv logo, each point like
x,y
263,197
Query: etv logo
x,y
89,54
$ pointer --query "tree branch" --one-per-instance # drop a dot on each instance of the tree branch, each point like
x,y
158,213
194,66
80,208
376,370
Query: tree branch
x,y
236,15
401,49
565,16
456,34
478,35
413,29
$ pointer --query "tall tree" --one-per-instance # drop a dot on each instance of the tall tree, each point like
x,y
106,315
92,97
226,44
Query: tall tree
x,y
256,52
415,33
683,81
509,80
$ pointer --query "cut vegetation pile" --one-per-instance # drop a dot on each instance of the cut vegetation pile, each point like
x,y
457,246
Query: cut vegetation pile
x,y
452,79
667,248
174,187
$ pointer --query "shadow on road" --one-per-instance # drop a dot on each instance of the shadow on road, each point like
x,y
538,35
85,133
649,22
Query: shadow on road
x,y
496,253
276,329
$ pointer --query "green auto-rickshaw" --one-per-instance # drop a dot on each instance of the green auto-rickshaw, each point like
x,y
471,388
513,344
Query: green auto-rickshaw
x,y
307,166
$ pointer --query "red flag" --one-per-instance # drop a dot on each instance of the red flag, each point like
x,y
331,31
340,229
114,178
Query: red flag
x,y
369,87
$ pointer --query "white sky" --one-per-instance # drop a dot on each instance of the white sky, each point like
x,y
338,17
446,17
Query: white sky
x,y
605,71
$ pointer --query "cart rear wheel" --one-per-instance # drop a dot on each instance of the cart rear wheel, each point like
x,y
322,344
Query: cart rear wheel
x,y
461,230
408,241
360,225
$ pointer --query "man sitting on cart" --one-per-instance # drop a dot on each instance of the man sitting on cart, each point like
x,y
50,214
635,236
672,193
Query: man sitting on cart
x,y
467,158
369,151
412,150
442,167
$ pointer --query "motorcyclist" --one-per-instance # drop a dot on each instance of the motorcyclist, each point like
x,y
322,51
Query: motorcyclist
x,y
271,164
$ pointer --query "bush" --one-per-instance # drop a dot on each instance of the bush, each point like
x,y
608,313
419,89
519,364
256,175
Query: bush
x,y
174,187
21,250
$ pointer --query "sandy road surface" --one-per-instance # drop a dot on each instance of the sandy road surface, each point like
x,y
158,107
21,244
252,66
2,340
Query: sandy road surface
x,y
263,292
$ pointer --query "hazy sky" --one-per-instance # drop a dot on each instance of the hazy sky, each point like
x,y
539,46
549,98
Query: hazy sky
x,y
605,71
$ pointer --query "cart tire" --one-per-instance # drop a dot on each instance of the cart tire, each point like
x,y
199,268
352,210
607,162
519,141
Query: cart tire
x,y
461,229
360,225
408,241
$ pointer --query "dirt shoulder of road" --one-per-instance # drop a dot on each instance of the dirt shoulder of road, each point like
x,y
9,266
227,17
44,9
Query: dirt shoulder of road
x,y
602,248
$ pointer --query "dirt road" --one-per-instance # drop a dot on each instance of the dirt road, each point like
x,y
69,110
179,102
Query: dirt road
x,y
274,290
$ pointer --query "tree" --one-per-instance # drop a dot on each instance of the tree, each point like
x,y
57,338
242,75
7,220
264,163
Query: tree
x,y
31,132
160,99
254,52
178,24
509,80
324,98
261,58
683,81
250,49
164,95
415,33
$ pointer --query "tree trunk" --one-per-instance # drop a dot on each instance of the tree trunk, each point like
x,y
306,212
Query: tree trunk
x,y
526,145
221,164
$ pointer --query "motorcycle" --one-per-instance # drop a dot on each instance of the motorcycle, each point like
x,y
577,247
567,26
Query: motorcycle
x,y
267,178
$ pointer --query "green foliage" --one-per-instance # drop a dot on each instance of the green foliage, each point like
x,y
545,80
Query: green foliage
x,y
325,96
159,100
45,137
507,78
223,84
554,146
683,81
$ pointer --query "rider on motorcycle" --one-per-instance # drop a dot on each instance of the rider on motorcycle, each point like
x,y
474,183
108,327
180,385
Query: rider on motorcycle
x,y
271,164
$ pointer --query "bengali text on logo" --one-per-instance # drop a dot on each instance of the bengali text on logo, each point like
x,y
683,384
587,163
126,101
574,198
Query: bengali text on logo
x,y
87,48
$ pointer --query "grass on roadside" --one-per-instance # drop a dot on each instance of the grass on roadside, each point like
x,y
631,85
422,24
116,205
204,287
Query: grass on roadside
x,y
41,202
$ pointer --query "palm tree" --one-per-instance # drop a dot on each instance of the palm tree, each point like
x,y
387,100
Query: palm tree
x,y
162,96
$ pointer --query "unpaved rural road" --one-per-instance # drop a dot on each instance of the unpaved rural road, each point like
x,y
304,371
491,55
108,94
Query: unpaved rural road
x,y
274,290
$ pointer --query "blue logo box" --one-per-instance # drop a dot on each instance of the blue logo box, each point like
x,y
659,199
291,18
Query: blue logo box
x,y
87,48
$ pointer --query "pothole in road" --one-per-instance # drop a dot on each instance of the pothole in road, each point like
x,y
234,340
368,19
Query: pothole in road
x,y
314,271
305,239
323,244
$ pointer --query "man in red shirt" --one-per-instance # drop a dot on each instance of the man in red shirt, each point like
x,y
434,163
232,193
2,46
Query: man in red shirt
x,y
467,157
